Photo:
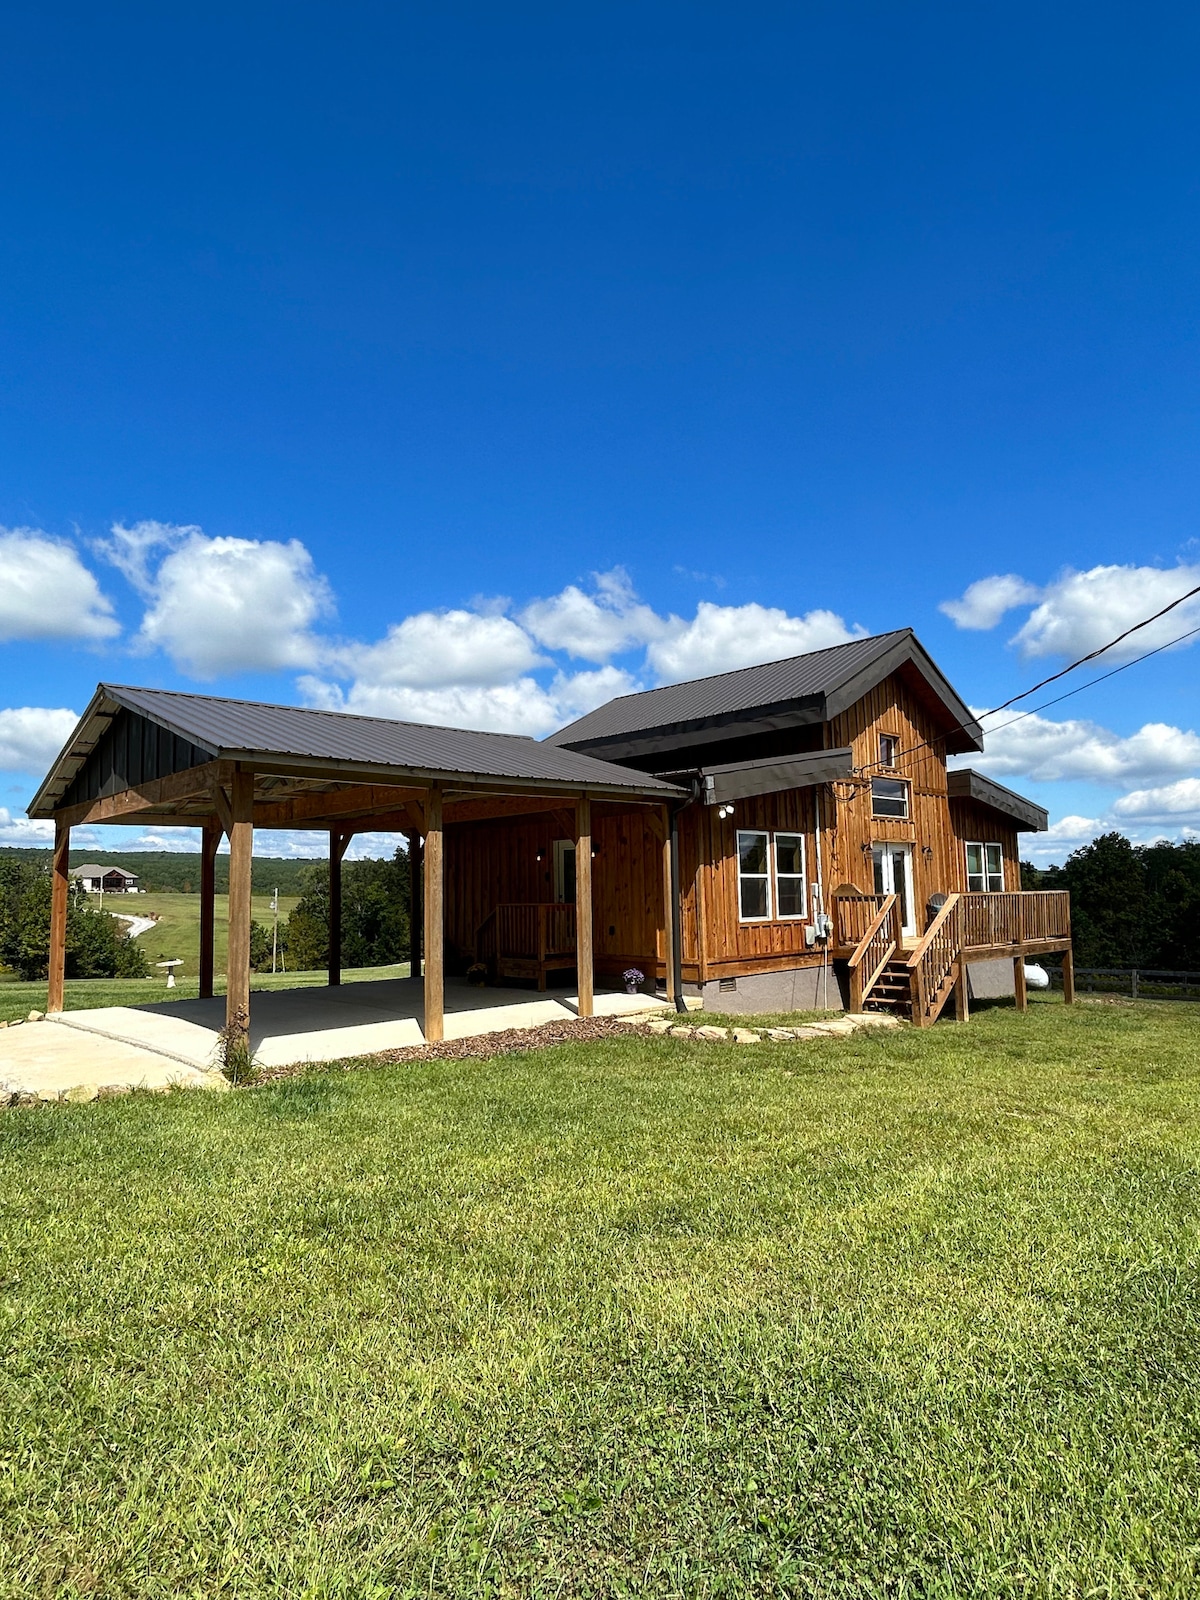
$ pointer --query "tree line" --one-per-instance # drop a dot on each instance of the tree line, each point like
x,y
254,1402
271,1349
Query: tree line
x,y
174,872
374,917
97,944
1131,905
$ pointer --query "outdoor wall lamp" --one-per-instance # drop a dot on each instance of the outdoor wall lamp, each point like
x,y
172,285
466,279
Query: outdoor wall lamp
x,y
927,851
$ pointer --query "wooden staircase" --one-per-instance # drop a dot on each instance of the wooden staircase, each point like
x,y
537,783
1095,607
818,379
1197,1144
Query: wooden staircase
x,y
917,983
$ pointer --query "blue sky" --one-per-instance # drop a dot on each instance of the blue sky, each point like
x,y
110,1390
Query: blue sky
x,y
474,363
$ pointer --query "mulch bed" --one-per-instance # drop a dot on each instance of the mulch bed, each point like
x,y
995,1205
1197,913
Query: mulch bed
x,y
572,1030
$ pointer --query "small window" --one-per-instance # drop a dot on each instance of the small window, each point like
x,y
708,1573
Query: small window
x,y
985,869
889,797
789,875
889,747
754,880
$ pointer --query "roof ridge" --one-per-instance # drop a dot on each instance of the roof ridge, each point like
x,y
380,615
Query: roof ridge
x,y
316,711
754,666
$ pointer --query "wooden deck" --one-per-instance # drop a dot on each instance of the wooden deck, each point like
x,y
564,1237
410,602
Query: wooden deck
x,y
921,978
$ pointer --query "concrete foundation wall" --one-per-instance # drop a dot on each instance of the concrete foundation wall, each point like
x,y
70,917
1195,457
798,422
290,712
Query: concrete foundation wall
x,y
990,980
803,989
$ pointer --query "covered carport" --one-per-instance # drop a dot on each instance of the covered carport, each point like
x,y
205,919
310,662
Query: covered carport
x,y
228,767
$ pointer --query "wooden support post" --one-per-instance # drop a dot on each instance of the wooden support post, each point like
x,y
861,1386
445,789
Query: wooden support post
x,y
209,840
1019,983
338,842
1068,972
856,989
667,898
434,880
241,857
962,1003
583,903
415,914
56,972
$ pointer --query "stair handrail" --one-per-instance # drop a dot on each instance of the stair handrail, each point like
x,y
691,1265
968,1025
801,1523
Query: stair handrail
x,y
875,945
480,953
934,957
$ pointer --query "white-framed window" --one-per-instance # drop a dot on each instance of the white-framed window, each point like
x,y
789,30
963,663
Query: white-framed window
x,y
889,798
789,875
985,869
754,875
889,747
771,876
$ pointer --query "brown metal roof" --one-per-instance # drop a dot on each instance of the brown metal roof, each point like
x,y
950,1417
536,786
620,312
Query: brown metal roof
x,y
963,783
246,730
801,689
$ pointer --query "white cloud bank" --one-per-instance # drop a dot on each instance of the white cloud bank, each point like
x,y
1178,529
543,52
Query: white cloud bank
x,y
21,831
1080,611
1169,804
31,737
1042,750
46,592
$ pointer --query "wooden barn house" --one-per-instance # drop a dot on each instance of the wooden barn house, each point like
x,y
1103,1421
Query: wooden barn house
x,y
783,836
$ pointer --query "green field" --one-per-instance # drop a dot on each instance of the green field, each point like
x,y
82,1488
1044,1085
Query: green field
x,y
907,1316
177,933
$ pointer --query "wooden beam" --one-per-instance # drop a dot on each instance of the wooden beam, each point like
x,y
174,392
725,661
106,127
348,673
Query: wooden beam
x,y
337,849
485,808
583,903
241,856
328,806
56,971
1019,983
209,840
220,802
1068,975
170,790
962,1004
434,875
415,868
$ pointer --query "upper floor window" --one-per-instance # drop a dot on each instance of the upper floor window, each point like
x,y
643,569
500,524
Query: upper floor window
x,y
889,748
985,869
889,798
771,881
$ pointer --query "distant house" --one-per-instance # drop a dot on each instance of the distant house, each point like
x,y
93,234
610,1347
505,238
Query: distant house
x,y
105,880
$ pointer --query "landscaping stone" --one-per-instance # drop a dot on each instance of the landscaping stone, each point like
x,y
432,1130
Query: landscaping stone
x,y
781,1035
659,1026
682,1033
80,1095
113,1091
839,1026
35,1016
710,1031
746,1036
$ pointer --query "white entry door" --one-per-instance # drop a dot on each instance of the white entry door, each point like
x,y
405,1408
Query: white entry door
x,y
893,875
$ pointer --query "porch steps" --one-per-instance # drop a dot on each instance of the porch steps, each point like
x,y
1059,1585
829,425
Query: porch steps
x,y
891,992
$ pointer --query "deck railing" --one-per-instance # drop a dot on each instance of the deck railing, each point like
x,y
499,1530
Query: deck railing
x,y
874,950
934,960
853,914
528,932
1032,916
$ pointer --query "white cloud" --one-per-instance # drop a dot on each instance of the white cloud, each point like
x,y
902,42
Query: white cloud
x,y
1038,748
1169,804
31,737
231,605
720,638
46,592
519,707
595,627
130,549
441,649
1082,610
986,601
574,695
22,831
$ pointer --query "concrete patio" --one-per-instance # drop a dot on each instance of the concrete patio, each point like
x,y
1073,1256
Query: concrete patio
x,y
325,1024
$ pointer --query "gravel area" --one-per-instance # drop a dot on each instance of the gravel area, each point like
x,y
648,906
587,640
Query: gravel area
x,y
570,1030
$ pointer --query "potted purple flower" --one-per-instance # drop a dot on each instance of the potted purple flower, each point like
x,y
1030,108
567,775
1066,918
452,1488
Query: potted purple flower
x,y
633,980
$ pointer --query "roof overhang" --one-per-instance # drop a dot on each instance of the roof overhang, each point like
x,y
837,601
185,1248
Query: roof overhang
x,y
965,784
742,780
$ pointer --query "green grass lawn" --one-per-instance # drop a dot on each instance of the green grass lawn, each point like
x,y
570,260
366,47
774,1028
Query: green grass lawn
x,y
910,1315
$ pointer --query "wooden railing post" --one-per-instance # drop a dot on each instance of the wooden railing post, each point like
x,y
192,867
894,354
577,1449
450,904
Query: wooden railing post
x,y
435,986
962,1004
56,971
